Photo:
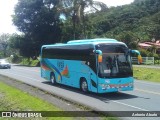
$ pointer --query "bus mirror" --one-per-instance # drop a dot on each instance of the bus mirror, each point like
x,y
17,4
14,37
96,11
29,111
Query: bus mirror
x,y
139,55
139,58
99,58
99,52
135,51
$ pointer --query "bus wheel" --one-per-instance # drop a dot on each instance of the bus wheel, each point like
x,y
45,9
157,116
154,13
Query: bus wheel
x,y
53,79
84,86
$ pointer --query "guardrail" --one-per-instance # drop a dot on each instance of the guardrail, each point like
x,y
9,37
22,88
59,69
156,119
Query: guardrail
x,y
145,60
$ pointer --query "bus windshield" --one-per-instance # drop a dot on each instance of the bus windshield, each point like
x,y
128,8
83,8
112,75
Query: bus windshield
x,y
116,62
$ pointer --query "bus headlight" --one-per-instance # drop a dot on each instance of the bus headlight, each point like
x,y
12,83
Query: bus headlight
x,y
131,84
104,86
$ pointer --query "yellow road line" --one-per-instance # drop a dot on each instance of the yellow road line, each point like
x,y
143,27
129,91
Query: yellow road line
x,y
147,91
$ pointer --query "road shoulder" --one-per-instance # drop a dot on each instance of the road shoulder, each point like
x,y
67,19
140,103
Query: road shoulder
x,y
58,102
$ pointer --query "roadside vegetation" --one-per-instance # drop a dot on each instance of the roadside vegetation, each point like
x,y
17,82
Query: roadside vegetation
x,y
12,99
38,20
148,74
29,62
32,62
131,24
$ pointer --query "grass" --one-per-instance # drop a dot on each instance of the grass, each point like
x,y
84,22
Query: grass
x,y
12,99
148,74
29,62
24,61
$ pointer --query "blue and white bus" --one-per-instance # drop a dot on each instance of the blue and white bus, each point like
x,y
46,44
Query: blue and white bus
x,y
96,65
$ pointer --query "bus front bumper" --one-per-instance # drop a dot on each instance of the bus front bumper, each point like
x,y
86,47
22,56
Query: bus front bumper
x,y
104,88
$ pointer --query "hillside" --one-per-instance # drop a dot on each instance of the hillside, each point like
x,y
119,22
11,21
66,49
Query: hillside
x,y
41,23
139,20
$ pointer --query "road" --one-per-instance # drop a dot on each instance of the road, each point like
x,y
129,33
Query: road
x,y
145,97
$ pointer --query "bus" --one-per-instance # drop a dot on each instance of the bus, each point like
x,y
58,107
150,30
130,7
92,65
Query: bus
x,y
96,65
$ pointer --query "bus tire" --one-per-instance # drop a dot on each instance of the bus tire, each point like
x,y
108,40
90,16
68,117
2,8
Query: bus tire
x,y
53,79
84,86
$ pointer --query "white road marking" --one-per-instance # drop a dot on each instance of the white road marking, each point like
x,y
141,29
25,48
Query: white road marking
x,y
131,106
111,100
147,91
148,83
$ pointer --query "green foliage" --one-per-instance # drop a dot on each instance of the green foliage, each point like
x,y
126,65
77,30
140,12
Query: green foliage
x,y
30,62
1,55
144,53
13,99
39,21
54,21
147,53
139,21
128,38
156,56
149,74
78,19
24,61
4,43
19,98
42,23
15,59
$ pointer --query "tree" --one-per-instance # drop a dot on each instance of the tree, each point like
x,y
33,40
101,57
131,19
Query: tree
x,y
153,49
16,45
129,38
40,23
4,42
75,11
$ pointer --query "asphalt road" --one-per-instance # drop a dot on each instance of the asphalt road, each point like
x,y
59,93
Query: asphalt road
x,y
145,97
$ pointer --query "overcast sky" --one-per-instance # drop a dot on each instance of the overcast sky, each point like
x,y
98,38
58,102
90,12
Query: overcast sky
x,y
7,9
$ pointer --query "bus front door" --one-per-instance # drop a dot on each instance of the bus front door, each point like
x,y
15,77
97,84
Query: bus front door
x,y
94,84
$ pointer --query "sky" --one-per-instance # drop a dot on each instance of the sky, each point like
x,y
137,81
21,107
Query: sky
x,y
7,9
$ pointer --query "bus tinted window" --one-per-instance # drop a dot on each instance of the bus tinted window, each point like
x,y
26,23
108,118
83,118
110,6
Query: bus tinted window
x,y
112,48
80,52
70,52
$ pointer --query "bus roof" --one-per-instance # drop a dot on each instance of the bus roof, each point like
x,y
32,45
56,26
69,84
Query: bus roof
x,y
86,41
97,40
